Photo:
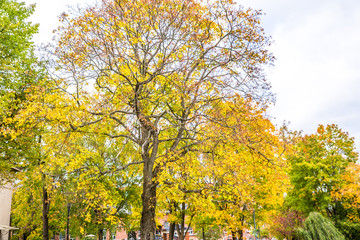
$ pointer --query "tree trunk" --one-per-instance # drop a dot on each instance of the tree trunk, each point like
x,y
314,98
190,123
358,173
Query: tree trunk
x,y
68,222
45,202
171,231
241,231
25,236
241,234
181,231
100,234
233,234
203,233
147,224
45,214
172,224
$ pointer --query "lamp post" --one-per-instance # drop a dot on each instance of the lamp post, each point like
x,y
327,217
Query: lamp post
x,y
257,233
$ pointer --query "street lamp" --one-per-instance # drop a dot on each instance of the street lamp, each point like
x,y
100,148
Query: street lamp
x,y
256,231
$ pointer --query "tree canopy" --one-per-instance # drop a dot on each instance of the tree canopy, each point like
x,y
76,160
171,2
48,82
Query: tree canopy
x,y
317,227
151,73
18,73
316,168
157,109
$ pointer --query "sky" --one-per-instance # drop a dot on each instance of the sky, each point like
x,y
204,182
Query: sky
x,y
316,75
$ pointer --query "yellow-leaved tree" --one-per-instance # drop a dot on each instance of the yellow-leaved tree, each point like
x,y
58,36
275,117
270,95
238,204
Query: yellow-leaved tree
x,y
222,182
150,74
246,165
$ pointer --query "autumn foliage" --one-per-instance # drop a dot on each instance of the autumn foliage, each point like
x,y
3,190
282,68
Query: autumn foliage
x,y
150,75
156,109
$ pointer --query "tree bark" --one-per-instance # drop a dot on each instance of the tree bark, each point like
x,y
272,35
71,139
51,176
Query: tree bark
x,y
181,231
241,234
233,234
45,214
68,222
100,234
171,231
147,224
241,231
172,224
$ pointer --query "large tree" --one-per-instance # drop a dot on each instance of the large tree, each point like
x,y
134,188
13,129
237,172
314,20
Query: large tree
x,y
150,73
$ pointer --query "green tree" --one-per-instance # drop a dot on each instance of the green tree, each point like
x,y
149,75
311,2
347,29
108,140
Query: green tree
x,y
350,229
37,209
19,71
317,227
96,185
348,199
317,164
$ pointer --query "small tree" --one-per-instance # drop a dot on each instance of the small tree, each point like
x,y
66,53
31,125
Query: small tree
x,y
317,227
284,224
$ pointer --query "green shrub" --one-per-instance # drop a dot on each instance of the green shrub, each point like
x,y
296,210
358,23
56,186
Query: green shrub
x,y
317,227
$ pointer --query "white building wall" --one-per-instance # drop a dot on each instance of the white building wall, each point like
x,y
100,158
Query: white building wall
x,y
5,208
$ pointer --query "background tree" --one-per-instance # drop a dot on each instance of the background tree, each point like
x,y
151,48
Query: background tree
x,y
28,211
317,164
81,171
317,227
347,194
20,74
19,71
225,180
286,223
246,166
98,186
348,191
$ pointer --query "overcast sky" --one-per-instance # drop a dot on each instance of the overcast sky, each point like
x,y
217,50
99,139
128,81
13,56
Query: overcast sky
x,y
316,76
317,73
